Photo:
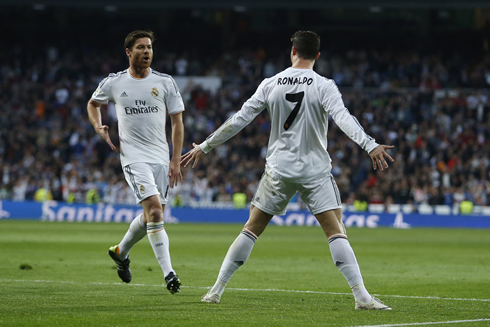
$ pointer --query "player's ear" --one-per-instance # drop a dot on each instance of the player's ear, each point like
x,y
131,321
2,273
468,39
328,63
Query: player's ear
x,y
317,56
293,51
128,53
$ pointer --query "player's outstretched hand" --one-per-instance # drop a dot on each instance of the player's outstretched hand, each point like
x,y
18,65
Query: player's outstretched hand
x,y
378,156
193,155
174,173
103,131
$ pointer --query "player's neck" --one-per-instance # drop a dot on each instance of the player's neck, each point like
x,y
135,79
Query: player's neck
x,y
137,72
303,63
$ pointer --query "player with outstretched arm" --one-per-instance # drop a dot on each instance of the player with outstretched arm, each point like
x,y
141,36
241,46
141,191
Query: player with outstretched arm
x,y
298,101
142,98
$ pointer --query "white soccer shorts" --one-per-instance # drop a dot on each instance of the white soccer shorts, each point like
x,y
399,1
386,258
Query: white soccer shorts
x,y
275,192
147,179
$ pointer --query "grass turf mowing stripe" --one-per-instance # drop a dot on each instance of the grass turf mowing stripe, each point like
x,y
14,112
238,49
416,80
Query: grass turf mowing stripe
x,y
428,323
254,290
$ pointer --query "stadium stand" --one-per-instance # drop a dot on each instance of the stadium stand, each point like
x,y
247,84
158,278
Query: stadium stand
x,y
434,108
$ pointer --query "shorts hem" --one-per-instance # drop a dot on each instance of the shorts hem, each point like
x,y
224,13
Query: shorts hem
x,y
146,196
270,212
316,212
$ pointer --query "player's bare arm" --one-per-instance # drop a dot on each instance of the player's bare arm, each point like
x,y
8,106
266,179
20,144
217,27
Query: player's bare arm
x,y
93,109
177,140
378,156
193,155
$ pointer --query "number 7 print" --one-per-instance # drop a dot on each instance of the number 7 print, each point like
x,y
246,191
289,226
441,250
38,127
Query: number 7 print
x,y
293,97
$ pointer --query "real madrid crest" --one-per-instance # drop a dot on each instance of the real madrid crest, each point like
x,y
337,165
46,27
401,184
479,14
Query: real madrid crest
x,y
154,92
142,189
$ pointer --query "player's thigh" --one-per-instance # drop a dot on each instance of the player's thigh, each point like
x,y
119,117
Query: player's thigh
x,y
331,222
141,180
162,181
273,193
321,194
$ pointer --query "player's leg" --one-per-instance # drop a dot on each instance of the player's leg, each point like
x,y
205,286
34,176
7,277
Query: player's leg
x,y
238,252
135,175
323,198
271,199
342,253
153,208
157,236
344,258
120,252
136,231
241,248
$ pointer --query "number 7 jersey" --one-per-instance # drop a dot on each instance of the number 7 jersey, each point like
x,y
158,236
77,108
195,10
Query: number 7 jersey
x,y
298,101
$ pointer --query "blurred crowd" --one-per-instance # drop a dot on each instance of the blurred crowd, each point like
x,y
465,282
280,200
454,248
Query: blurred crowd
x,y
434,109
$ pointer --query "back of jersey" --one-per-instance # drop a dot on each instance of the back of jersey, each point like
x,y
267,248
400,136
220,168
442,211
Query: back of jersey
x,y
298,141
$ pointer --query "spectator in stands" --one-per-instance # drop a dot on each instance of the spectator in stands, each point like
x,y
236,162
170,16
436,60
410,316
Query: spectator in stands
x,y
43,130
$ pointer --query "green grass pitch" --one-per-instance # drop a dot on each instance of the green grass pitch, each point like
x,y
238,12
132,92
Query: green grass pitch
x,y
425,275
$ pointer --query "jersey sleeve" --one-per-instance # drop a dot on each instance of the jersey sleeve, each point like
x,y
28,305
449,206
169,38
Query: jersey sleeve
x,y
173,99
250,109
103,92
333,105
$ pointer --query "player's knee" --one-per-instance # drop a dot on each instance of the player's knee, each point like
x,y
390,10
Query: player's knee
x,y
155,215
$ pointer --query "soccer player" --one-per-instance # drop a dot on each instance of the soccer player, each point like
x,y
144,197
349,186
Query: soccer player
x,y
142,98
299,102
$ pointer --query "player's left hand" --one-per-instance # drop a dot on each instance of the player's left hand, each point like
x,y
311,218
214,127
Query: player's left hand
x,y
378,156
194,154
103,131
174,173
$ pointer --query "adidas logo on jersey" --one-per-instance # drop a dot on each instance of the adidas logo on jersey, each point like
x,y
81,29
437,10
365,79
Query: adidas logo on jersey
x,y
123,94
257,199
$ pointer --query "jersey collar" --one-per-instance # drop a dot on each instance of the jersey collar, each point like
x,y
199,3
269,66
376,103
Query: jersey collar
x,y
139,79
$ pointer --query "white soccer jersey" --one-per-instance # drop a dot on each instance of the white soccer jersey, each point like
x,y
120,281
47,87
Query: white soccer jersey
x,y
141,108
299,101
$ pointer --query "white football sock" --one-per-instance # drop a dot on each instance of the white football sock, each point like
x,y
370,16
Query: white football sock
x,y
237,254
344,258
159,242
136,231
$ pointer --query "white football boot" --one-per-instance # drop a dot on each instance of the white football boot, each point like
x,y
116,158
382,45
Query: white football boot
x,y
211,298
375,304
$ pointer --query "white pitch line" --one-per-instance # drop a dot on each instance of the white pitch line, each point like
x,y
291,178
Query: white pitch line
x,y
253,290
383,295
428,323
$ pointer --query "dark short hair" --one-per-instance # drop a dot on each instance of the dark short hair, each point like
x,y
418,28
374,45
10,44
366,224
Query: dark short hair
x,y
133,36
307,44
